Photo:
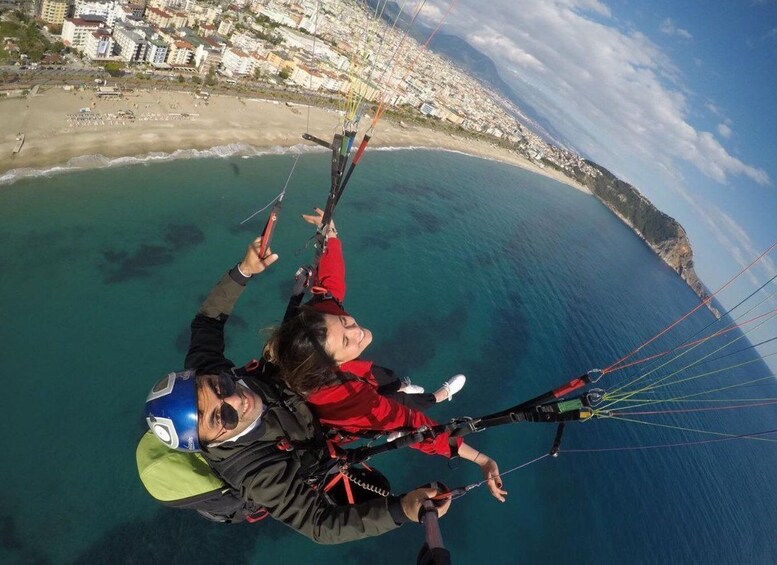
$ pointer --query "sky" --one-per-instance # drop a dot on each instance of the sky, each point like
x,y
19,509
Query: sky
x,y
674,97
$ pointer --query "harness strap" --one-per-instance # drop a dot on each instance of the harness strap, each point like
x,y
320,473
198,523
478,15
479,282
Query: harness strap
x,y
575,409
258,516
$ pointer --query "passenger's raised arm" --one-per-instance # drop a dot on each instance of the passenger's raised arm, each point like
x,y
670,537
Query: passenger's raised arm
x,y
331,266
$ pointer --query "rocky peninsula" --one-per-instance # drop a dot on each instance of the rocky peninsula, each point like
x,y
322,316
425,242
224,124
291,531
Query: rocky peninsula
x,y
662,233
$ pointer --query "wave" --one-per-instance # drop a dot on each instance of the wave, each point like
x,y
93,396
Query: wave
x,y
243,150
98,161
442,149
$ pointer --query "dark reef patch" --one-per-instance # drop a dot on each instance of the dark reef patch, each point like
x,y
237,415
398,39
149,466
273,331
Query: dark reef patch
x,y
8,537
361,205
121,266
485,259
422,190
50,245
507,346
414,342
425,222
183,235
13,550
174,537
374,241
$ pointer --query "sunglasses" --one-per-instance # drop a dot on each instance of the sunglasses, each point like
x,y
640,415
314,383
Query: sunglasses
x,y
224,386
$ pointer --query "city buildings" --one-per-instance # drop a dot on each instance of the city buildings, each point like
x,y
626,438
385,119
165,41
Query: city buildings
x,y
325,46
54,11
76,30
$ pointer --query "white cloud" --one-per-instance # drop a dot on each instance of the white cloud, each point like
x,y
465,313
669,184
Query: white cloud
x,y
609,90
430,14
733,238
708,152
593,6
668,27
494,42
742,248
724,130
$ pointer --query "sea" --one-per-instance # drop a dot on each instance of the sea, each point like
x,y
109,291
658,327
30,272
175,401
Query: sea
x,y
457,265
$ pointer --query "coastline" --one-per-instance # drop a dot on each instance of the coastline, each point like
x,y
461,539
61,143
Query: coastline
x,y
171,124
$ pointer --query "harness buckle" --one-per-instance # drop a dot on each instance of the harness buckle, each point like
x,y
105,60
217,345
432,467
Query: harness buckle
x,y
470,424
257,516
302,279
284,445
422,433
330,445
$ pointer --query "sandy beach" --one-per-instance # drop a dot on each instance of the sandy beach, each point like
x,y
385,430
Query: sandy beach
x,y
56,129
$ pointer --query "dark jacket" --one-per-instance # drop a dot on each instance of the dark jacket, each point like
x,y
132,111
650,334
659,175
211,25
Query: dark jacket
x,y
255,465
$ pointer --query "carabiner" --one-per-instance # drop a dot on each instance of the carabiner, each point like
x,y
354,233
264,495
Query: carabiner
x,y
595,396
594,375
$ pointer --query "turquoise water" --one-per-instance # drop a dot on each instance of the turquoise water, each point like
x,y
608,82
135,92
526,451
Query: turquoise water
x,y
456,264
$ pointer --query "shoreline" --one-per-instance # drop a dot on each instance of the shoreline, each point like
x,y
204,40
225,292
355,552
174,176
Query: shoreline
x,y
175,125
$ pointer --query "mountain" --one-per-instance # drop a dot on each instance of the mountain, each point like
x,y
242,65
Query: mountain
x,y
466,57
471,61
479,65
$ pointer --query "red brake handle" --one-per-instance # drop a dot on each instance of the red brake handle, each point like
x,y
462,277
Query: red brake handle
x,y
563,390
269,228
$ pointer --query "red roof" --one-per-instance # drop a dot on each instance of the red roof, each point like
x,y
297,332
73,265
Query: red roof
x,y
159,12
85,23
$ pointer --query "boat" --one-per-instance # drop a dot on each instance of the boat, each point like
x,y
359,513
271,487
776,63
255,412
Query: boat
x,y
19,142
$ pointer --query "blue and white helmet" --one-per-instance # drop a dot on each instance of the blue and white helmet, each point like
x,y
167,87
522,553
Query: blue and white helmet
x,y
171,411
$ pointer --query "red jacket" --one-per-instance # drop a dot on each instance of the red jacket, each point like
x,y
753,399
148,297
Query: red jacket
x,y
354,405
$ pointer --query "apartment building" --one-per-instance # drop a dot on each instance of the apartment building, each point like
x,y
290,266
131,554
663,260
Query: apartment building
x,y
76,30
53,11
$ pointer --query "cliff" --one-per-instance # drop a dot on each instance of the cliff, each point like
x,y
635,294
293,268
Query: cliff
x,y
661,232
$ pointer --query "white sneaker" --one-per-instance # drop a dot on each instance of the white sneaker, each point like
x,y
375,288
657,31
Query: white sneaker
x,y
453,385
409,388
396,435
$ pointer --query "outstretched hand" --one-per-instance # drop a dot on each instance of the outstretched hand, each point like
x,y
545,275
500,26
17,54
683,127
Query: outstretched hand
x,y
317,218
252,263
490,471
488,467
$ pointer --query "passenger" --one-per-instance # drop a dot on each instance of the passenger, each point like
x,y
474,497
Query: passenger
x,y
317,351
259,437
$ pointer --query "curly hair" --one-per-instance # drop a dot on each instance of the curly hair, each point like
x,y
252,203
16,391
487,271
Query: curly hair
x,y
297,347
